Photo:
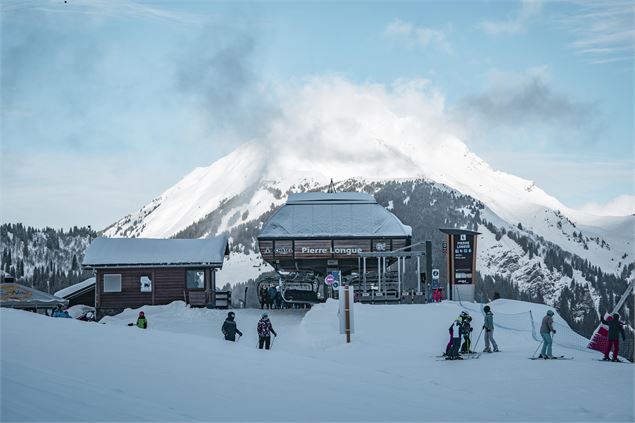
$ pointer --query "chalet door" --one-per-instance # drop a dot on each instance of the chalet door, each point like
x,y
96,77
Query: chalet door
x,y
196,288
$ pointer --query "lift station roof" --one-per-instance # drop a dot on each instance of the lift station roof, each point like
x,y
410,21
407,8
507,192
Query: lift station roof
x,y
340,214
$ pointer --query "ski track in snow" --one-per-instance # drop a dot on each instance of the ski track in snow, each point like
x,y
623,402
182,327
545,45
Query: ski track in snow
x,y
181,369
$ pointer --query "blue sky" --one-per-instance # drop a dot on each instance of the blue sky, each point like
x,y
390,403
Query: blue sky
x,y
107,103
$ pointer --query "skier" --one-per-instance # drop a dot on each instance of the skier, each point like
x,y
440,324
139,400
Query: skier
x,y
455,333
272,296
263,297
615,328
489,330
436,295
264,332
278,298
466,330
142,323
546,329
229,328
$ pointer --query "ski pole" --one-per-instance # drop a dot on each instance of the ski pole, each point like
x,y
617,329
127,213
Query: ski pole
x,y
273,339
478,339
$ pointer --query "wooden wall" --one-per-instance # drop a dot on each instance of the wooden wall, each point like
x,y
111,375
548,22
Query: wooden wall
x,y
168,284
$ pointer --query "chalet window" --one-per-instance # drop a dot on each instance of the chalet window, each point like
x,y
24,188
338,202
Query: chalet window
x,y
195,279
145,283
112,283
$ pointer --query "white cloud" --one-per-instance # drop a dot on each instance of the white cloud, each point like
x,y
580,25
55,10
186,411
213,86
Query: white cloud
x,y
418,36
603,31
622,205
516,24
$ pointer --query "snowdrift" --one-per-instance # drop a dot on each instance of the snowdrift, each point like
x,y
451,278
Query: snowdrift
x,y
181,369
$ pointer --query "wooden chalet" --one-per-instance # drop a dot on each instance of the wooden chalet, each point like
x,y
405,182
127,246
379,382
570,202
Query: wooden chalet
x,y
133,272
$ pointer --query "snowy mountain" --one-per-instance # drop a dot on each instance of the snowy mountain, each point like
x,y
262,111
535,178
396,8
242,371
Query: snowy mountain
x,y
390,371
530,240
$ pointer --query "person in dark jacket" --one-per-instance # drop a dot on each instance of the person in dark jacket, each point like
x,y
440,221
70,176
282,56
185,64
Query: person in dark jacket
x,y
263,297
615,329
271,291
229,328
265,329
466,330
455,333
142,322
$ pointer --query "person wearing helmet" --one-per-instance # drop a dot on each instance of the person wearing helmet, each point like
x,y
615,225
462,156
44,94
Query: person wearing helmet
x,y
546,329
615,328
142,322
466,330
265,329
488,326
229,328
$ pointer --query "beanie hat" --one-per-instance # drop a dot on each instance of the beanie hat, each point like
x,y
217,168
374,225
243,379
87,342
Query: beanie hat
x,y
550,312
486,309
141,313
616,316
265,315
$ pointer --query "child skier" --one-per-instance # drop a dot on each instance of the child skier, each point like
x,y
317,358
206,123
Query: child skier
x,y
488,326
546,329
466,330
264,332
455,332
229,328
142,323
615,328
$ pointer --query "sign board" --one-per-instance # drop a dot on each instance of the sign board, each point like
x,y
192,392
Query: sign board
x,y
342,307
329,279
435,274
336,285
463,258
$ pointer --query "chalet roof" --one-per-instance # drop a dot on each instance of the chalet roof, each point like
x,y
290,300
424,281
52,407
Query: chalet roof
x,y
19,296
76,288
134,252
341,214
452,231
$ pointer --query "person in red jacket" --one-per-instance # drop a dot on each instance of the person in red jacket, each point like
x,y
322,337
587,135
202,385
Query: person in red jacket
x,y
615,328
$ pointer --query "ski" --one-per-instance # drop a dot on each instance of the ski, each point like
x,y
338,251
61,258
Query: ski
x,y
610,361
562,357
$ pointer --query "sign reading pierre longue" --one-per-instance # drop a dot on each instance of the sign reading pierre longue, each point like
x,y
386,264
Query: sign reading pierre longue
x,y
462,257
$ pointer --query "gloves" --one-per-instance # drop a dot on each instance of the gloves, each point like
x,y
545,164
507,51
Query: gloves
x,y
554,331
471,329
487,330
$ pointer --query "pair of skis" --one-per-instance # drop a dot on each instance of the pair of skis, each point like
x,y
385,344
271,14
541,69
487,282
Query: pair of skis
x,y
561,357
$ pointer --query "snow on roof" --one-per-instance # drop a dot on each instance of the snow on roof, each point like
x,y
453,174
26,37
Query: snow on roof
x,y
17,295
331,197
70,290
156,252
318,214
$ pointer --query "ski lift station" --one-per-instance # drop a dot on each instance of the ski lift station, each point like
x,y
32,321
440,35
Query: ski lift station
x,y
319,239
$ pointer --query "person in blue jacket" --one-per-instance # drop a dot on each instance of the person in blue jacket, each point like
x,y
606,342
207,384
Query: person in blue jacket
x,y
61,312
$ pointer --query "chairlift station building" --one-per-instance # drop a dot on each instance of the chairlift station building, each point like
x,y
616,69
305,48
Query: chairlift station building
x,y
317,231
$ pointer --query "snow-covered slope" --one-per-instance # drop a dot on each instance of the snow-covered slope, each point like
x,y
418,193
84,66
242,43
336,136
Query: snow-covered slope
x,y
180,369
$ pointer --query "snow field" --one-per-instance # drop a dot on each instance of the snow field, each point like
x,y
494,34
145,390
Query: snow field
x,y
181,369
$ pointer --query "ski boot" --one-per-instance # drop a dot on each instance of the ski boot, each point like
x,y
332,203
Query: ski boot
x,y
497,350
487,350
616,360
606,359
